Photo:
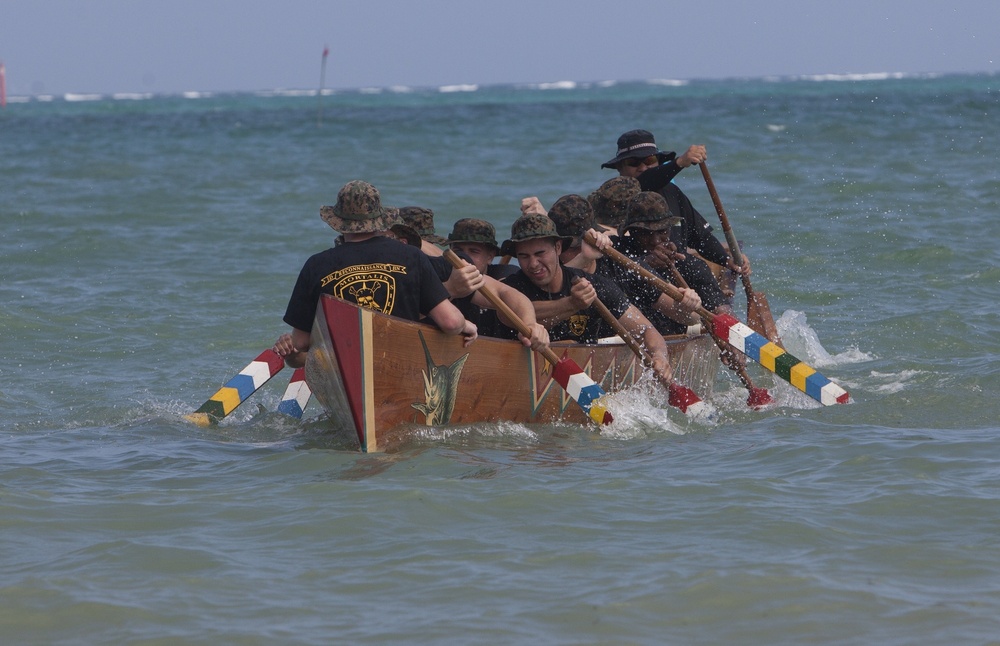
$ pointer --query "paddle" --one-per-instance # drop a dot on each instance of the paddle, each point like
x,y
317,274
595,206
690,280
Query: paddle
x,y
758,310
567,373
757,397
296,396
679,396
754,345
235,391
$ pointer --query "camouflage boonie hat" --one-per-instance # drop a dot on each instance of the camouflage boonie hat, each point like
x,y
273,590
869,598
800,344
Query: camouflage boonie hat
x,y
531,227
472,230
573,216
401,229
358,210
422,221
649,211
610,201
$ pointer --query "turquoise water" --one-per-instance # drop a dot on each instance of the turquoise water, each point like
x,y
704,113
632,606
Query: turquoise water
x,y
147,252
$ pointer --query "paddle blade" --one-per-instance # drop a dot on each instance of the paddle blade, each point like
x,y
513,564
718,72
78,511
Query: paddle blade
x,y
759,317
296,396
685,399
257,373
582,389
759,397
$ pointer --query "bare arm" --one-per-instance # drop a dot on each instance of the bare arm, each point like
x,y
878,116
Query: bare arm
x,y
640,328
451,321
293,347
582,295
521,306
679,311
463,281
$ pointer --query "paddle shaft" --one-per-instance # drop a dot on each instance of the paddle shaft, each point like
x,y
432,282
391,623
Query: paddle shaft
x,y
734,247
758,310
502,307
656,281
727,230
627,337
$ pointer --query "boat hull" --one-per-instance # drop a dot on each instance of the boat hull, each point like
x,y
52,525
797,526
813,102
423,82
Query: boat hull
x,y
375,374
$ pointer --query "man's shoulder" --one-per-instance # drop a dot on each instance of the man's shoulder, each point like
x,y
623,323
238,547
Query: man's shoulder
x,y
379,249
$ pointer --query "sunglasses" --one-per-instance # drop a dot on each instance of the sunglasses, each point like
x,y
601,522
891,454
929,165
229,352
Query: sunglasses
x,y
646,161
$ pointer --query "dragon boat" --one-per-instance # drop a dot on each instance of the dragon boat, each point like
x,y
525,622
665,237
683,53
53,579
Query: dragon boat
x,y
378,376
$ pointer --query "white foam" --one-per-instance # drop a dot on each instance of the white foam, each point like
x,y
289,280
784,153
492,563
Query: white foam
x,y
464,87
132,96
802,341
82,97
668,82
557,85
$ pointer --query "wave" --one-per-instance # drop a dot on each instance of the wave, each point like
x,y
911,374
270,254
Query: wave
x,y
463,87
73,97
668,82
564,85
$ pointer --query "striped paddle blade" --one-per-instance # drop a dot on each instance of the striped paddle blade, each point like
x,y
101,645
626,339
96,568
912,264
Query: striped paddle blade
x,y
296,396
584,390
774,358
257,373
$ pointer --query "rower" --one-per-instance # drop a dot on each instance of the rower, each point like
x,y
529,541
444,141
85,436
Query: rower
x,y
369,269
563,297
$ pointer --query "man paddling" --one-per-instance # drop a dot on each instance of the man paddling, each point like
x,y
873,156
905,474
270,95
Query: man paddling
x,y
369,269
638,156
574,217
464,283
564,297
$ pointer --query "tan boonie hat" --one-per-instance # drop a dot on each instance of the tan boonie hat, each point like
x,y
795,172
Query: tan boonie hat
x,y
473,230
358,210
422,221
649,211
573,216
530,227
610,201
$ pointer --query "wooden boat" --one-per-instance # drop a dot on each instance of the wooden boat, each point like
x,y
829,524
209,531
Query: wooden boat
x,y
377,374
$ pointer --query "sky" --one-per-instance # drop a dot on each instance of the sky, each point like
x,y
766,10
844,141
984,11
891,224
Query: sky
x,y
170,46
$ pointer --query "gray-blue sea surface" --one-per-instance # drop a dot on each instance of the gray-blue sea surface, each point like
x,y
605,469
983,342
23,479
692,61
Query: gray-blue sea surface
x,y
147,252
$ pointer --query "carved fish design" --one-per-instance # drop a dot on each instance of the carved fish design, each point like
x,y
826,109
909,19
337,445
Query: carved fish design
x,y
440,388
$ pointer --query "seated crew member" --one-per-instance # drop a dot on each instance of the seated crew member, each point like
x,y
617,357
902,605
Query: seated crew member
x,y
463,286
610,202
649,225
639,157
360,269
475,241
564,297
422,221
573,217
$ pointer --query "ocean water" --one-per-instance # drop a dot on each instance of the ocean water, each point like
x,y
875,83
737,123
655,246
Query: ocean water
x,y
147,251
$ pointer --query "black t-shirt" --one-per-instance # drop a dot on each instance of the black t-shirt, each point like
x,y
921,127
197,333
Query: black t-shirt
x,y
585,326
695,231
696,274
486,320
639,291
378,273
